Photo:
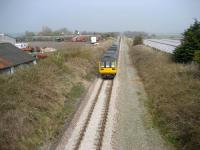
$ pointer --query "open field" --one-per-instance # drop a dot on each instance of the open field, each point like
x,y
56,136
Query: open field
x,y
61,45
57,45
173,91
37,102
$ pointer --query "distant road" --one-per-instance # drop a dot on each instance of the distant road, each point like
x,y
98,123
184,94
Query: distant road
x,y
166,45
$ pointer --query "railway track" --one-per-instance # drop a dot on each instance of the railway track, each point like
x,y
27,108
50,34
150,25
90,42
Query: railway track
x,y
89,131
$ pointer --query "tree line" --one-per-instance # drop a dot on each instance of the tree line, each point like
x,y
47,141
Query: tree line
x,y
188,51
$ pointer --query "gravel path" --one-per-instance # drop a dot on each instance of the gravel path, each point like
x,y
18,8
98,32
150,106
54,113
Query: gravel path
x,y
133,131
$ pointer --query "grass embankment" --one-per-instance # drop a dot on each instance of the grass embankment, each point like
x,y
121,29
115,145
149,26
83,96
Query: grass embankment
x,y
36,102
174,95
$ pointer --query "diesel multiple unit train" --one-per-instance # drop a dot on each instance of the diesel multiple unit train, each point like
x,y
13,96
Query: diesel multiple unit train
x,y
108,62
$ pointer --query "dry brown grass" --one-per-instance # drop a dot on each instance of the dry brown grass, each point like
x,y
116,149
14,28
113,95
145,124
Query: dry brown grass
x,y
36,102
174,97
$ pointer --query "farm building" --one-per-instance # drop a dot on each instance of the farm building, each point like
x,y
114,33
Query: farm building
x,y
5,38
12,58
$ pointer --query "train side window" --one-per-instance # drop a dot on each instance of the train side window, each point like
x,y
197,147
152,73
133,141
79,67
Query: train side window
x,y
102,64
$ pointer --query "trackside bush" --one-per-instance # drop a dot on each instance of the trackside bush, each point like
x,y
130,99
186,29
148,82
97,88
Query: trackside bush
x,y
138,40
183,55
197,56
37,103
173,95
190,43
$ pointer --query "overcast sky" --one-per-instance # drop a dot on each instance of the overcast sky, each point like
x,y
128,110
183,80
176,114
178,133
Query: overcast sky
x,y
154,16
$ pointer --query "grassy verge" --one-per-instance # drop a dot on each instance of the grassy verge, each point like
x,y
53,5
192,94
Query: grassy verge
x,y
36,102
174,97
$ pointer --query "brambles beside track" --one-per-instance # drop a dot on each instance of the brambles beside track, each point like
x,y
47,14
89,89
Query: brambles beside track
x,y
36,102
174,97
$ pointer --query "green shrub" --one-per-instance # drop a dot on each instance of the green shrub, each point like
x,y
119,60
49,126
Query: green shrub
x,y
191,42
138,40
197,56
58,59
183,55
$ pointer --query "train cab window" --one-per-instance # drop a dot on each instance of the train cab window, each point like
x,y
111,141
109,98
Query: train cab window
x,y
113,64
108,64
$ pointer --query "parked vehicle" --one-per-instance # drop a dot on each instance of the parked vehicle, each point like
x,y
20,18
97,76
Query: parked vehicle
x,y
93,39
21,45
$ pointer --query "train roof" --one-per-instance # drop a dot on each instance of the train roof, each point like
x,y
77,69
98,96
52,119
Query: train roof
x,y
110,52
115,45
112,49
108,58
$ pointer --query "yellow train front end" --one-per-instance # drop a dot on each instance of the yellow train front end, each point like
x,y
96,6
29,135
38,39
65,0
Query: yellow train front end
x,y
108,63
108,69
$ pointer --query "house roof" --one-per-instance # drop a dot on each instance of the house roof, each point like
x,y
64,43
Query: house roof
x,y
12,56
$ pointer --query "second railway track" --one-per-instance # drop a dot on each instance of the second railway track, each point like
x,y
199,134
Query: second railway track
x,y
89,131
